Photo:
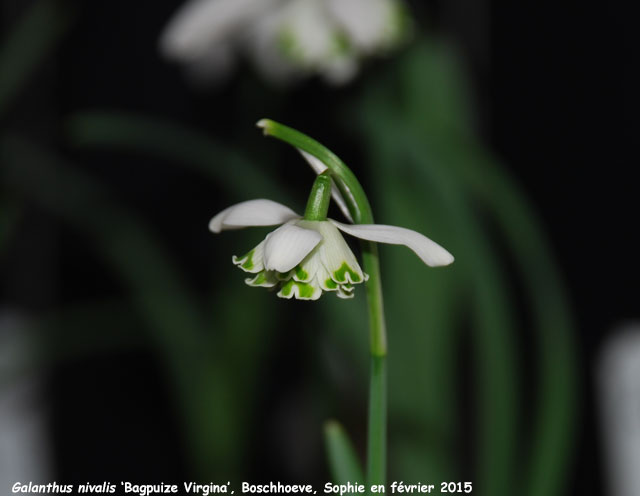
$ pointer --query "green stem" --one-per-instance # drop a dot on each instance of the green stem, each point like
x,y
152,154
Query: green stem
x,y
360,210
377,327
377,432
377,435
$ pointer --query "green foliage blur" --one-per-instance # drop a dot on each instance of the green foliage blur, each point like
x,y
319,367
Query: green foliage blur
x,y
459,407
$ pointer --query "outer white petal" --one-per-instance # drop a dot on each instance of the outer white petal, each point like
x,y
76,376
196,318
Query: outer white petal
x,y
429,251
287,246
340,70
368,23
199,24
213,65
310,31
319,167
252,213
264,49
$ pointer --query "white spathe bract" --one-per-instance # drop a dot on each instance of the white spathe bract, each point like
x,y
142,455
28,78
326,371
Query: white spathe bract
x,y
303,258
286,39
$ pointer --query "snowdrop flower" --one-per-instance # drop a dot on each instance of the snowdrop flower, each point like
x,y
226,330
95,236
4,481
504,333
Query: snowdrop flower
x,y
307,255
287,39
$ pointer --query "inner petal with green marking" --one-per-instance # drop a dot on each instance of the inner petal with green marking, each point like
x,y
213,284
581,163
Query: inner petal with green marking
x,y
253,261
335,255
301,290
265,279
330,266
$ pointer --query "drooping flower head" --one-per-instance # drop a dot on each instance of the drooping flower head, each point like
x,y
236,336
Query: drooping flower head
x,y
286,39
308,255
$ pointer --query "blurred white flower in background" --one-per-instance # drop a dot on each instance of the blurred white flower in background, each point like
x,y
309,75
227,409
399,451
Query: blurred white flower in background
x,y
286,39
24,444
619,398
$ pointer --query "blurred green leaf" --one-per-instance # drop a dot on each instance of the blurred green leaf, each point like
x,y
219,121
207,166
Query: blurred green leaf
x,y
427,131
10,214
212,367
432,90
27,44
178,331
114,326
492,310
423,308
167,140
553,430
160,292
430,150
343,461
556,399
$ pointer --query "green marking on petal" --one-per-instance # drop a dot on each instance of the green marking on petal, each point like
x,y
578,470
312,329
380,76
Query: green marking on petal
x,y
301,274
248,264
340,274
286,289
288,45
245,262
264,279
340,44
331,284
304,291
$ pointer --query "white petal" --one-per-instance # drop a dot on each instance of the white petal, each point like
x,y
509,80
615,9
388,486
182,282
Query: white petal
x,y
300,290
264,49
324,279
319,167
429,251
309,30
212,66
340,70
335,254
345,293
287,246
252,213
253,261
199,24
264,279
307,269
369,24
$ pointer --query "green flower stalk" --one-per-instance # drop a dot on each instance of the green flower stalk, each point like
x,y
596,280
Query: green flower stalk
x,y
307,256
